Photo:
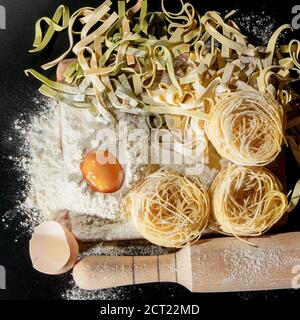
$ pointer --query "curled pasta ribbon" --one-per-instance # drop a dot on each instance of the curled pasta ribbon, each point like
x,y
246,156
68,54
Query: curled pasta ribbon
x,y
166,101
295,196
183,23
53,84
40,41
178,111
75,16
169,95
294,51
246,128
134,9
246,201
239,45
272,43
169,209
163,58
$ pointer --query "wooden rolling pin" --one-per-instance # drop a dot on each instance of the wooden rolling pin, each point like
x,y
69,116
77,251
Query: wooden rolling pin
x,y
211,265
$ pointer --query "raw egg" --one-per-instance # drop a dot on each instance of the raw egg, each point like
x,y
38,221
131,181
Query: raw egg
x,y
102,171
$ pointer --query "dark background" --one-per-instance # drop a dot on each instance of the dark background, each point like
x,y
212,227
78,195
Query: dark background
x,y
16,94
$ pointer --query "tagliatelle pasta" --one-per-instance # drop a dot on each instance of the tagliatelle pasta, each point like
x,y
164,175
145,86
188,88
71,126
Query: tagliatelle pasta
x,y
217,55
40,41
246,201
169,209
176,73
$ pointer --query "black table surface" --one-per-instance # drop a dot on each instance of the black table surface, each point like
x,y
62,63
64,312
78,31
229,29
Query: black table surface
x,y
16,94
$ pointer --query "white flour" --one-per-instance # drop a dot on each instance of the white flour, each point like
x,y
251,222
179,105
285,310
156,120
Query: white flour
x,y
251,264
260,26
56,182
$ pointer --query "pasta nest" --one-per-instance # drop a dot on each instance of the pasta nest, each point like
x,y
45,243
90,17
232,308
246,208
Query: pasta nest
x,y
246,201
169,209
246,127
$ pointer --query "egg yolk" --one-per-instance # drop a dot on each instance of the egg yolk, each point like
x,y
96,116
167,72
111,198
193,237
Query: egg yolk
x,y
102,171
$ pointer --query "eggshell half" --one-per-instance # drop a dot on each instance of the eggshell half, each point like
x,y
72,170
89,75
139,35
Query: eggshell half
x,y
53,249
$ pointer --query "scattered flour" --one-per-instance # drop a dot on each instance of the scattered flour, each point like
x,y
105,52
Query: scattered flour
x,y
259,26
250,264
57,140
74,293
130,248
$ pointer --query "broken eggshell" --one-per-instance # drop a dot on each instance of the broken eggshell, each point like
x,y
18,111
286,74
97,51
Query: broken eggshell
x,y
53,248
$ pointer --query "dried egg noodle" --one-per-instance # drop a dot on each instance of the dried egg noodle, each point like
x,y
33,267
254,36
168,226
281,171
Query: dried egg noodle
x,y
176,73
169,209
246,201
246,128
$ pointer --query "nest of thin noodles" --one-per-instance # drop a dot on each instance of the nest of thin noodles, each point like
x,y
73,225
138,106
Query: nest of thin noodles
x,y
246,127
246,201
169,209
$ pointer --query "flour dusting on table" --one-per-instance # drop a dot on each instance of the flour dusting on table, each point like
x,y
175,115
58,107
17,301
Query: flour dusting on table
x,y
57,140
260,26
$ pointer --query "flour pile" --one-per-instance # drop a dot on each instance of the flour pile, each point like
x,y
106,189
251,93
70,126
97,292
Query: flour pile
x,y
57,140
